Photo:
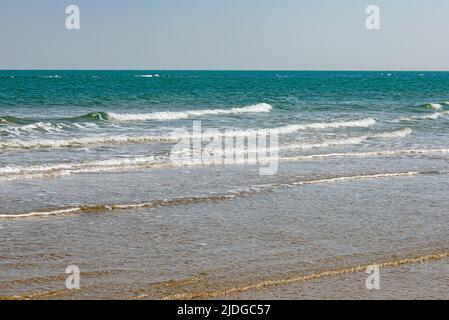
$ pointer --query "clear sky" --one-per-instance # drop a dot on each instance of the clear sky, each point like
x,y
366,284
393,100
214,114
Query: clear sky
x,y
225,34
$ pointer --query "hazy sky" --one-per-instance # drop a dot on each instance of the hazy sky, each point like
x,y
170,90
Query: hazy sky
x,y
225,34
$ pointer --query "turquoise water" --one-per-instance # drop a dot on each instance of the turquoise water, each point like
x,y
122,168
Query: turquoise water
x,y
86,178
44,110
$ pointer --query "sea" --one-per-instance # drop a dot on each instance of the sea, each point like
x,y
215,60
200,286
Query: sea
x,y
89,187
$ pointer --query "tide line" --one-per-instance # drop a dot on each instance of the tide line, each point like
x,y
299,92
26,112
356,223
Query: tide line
x,y
232,194
263,284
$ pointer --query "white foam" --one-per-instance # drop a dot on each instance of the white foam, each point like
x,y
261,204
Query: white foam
x,y
397,134
435,106
41,214
9,173
102,140
358,177
147,75
79,142
402,133
432,116
322,126
172,115
38,126
379,153
48,127
51,77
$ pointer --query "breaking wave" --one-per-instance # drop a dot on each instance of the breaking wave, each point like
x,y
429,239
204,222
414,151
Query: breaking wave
x,y
434,106
379,153
402,133
147,75
45,127
438,109
9,173
172,115
431,116
122,139
155,116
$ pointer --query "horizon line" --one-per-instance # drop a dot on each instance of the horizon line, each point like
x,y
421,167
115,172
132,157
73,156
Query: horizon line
x,y
230,70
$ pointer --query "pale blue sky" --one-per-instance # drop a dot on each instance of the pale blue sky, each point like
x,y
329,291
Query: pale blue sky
x,y
225,34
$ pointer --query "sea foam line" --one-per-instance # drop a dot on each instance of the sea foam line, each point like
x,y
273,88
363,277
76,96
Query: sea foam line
x,y
360,177
104,140
437,107
173,115
402,133
379,153
99,208
431,116
396,134
128,117
45,127
147,75
10,173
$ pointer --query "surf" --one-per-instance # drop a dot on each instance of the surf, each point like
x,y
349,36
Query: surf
x,y
105,116
142,139
178,115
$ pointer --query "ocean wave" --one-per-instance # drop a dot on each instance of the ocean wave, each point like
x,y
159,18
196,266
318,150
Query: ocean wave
x,y
288,129
147,75
438,109
397,134
123,139
39,126
434,106
10,173
78,142
322,126
379,153
255,153
128,117
99,208
89,117
172,115
7,120
50,76
401,133
431,116
44,127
